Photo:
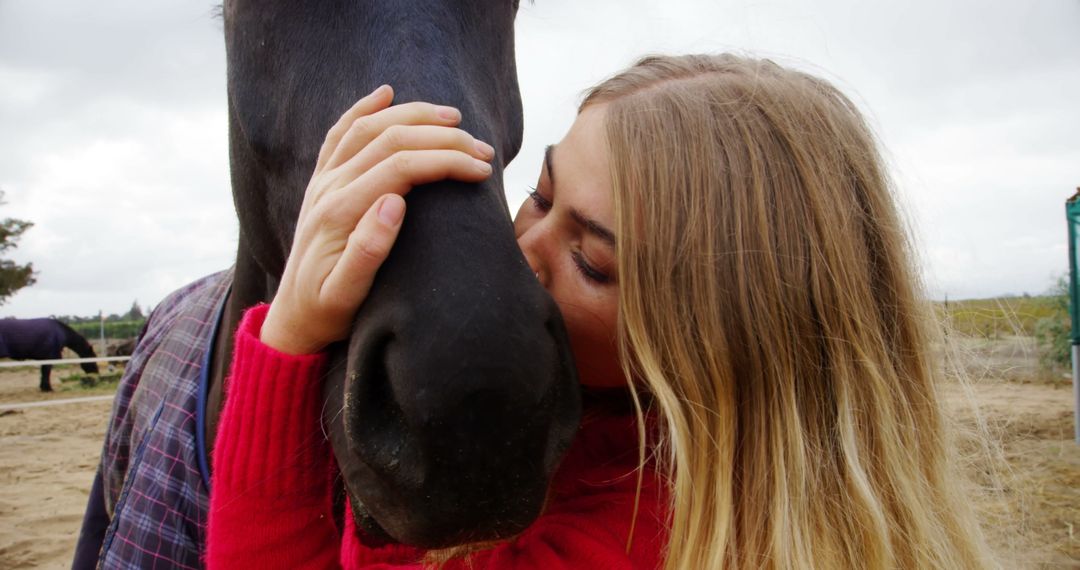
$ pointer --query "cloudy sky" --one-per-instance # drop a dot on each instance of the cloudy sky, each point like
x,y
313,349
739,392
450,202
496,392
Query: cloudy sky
x,y
113,125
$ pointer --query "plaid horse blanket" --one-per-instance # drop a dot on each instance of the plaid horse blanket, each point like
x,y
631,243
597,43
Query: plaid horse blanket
x,y
148,504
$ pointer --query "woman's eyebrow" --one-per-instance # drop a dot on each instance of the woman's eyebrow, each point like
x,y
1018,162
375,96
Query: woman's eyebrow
x,y
592,226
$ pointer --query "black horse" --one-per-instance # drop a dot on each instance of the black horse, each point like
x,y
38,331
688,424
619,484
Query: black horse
x,y
451,404
43,339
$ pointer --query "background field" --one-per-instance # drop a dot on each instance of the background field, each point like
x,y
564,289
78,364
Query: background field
x,y
113,329
994,318
1013,418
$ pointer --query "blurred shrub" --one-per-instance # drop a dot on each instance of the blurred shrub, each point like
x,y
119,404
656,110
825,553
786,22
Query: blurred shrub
x,y
1053,331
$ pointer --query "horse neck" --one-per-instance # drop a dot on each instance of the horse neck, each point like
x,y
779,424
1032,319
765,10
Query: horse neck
x,y
76,342
251,285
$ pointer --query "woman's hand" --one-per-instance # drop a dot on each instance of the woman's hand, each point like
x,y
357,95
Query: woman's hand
x,y
353,208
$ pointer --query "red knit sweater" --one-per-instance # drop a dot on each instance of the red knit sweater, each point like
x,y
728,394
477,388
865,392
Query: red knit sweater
x,y
272,484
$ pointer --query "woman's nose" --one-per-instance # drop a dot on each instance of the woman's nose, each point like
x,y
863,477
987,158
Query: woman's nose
x,y
530,246
537,269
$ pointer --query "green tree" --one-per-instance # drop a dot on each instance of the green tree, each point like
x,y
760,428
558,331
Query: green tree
x,y
135,313
12,275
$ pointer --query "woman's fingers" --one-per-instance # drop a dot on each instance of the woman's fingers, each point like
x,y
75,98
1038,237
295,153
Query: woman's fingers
x,y
377,100
408,168
349,281
370,242
364,129
350,216
398,138
397,174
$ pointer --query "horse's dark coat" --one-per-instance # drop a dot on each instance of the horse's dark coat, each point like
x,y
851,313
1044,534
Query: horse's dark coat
x,y
452,402
460,385
43,339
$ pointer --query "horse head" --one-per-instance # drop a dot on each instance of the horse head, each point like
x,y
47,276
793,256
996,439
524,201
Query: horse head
x,y
449,407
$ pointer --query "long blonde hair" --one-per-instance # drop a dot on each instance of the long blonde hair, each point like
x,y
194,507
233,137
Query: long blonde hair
x,y
769,307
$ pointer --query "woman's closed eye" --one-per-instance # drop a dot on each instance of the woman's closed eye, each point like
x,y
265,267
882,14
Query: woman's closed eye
x,y
539,202
588,271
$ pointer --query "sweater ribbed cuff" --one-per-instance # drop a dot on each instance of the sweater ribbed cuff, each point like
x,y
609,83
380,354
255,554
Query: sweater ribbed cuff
x,y
270,441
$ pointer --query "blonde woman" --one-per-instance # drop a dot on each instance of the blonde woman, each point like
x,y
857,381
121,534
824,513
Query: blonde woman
x,y
721,238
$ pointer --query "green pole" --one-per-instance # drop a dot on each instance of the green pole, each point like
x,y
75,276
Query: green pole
x,y
1072,215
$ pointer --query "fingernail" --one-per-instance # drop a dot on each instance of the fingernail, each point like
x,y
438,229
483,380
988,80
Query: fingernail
x,y
482,167
484,149
449,113
391,211
380,89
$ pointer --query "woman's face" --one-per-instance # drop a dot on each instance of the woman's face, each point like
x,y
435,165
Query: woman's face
x,y
565,229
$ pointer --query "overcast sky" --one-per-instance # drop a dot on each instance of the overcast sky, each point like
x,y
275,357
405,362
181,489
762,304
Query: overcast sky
x,y
113,125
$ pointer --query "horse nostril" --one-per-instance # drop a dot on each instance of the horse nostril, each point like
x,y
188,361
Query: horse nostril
x,y
373,417
373,535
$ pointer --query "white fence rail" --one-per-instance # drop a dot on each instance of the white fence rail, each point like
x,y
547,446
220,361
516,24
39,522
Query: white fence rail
x,y
44,403
18,363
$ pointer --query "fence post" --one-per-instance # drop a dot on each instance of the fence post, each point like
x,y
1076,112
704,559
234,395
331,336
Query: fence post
x,y
1072,216
101,321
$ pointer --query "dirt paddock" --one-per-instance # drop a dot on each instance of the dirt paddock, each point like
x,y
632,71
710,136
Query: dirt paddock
x,y
1029,495
47,460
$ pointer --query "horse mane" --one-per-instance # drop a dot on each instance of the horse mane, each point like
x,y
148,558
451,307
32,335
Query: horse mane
x,y
76,341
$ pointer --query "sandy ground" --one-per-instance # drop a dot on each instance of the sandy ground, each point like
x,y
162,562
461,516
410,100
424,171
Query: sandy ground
x,y
1015,427
1027,479
47,460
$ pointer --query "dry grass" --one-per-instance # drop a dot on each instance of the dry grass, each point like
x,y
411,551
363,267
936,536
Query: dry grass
x,y
1014,426
1026,476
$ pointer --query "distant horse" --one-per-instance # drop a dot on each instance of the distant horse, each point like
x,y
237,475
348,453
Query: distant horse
x,y
43,339
124,348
